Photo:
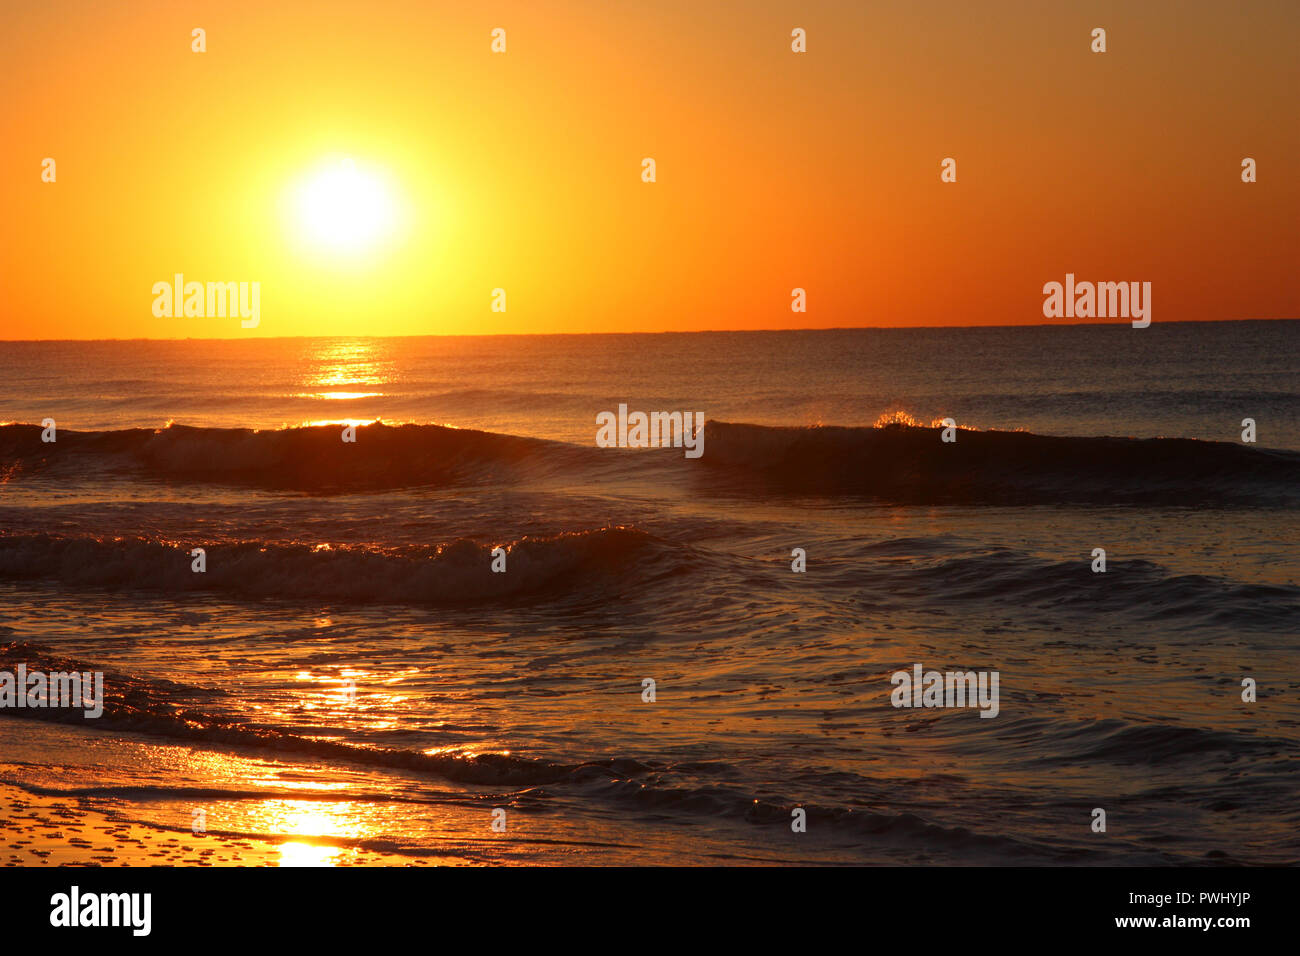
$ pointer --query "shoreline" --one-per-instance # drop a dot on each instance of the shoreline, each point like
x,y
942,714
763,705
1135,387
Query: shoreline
x,y
43,831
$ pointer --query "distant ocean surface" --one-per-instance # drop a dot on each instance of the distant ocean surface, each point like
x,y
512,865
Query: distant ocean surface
x,y
1194,380
348,671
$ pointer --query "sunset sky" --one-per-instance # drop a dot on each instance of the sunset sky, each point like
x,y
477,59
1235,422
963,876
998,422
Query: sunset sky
x,y
522,170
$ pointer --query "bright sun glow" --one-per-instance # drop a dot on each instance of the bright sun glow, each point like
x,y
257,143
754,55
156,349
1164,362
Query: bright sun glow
x,y
343,207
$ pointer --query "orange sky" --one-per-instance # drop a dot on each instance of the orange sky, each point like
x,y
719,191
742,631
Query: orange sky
x,y
522,170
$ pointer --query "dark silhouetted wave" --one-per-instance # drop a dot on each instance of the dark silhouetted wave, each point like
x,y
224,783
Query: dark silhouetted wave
x,y
895,463
311,458
912,465
455,573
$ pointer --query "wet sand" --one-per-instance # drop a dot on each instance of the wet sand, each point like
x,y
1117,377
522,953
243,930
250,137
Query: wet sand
x,y
46,831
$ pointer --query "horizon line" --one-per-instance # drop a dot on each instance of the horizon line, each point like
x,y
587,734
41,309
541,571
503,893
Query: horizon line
x,y
469,335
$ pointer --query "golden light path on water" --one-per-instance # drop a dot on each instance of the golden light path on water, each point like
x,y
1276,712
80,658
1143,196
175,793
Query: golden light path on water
x,y
343,371
320,831
312,819
340,396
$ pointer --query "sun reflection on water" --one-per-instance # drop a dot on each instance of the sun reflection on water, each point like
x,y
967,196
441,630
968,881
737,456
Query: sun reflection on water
x,y
343,371
314,820
339,396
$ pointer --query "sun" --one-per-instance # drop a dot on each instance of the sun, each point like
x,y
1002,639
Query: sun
x,y
344,207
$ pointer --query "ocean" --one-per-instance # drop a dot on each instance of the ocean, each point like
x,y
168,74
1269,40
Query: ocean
x,y
650,679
